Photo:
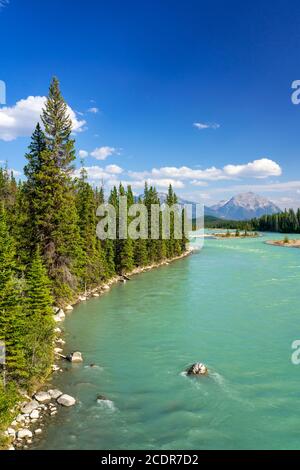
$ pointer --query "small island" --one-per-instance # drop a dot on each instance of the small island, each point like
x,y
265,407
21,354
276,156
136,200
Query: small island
x,y
285,242
235,234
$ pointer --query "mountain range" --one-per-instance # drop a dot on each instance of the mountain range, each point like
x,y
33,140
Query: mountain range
x,y
243,206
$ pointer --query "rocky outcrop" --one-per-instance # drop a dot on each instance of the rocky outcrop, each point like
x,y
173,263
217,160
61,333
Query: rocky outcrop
x,y
28,423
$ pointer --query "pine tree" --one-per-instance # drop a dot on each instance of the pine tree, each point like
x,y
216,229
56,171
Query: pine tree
x,y
125,252
39,319
93,269
12,325
49,172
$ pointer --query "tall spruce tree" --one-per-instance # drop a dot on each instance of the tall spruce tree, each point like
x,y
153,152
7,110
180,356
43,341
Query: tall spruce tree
x,y
49,172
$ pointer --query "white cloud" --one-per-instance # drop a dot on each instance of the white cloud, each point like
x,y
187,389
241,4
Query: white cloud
x,y
20,120
257,169
201,125
114,169
111,175
83,153
101,153
93,110
185,172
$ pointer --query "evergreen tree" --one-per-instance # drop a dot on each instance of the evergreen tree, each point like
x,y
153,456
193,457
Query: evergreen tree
x,y
12,325
39,319
49,171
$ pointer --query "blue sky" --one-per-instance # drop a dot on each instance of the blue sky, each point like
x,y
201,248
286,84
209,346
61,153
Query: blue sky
x,y
191,92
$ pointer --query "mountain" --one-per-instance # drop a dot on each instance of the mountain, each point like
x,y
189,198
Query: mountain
x,y
245,206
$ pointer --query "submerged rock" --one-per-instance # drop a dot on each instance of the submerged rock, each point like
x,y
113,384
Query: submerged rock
x,y
101,398
197,369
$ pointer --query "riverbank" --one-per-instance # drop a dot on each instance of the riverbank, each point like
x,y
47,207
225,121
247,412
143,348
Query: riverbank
x,y
285,243
34,411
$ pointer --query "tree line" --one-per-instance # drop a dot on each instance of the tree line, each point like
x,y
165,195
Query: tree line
x,y
49,249
284,222
287,221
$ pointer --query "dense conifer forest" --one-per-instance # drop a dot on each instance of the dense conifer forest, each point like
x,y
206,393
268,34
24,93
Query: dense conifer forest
x,y
49,249
284,222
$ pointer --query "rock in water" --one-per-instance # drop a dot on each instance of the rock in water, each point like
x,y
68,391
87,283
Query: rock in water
x,y
66,400
197,369
75,357
42,397
101,398
55,394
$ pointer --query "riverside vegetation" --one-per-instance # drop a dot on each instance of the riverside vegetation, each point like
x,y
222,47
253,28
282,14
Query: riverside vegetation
x,y
49,250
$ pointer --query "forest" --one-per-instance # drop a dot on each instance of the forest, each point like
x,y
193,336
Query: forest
x,y
49,250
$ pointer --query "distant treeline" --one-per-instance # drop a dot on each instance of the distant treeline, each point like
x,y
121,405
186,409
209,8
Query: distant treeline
x,y
214,222
284,222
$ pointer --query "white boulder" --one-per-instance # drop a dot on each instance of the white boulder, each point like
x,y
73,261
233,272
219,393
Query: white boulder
x,y
60,316
75,357
11,433
55,394
66,400
29,407
24,434
35,414
42,397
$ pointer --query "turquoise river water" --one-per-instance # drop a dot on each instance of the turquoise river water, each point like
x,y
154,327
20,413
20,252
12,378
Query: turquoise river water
x,y
234,306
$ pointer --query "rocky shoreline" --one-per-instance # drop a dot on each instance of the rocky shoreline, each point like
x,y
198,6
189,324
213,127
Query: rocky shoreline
x,y
32,413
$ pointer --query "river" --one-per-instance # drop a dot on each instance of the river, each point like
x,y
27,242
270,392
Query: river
x,y
234,306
